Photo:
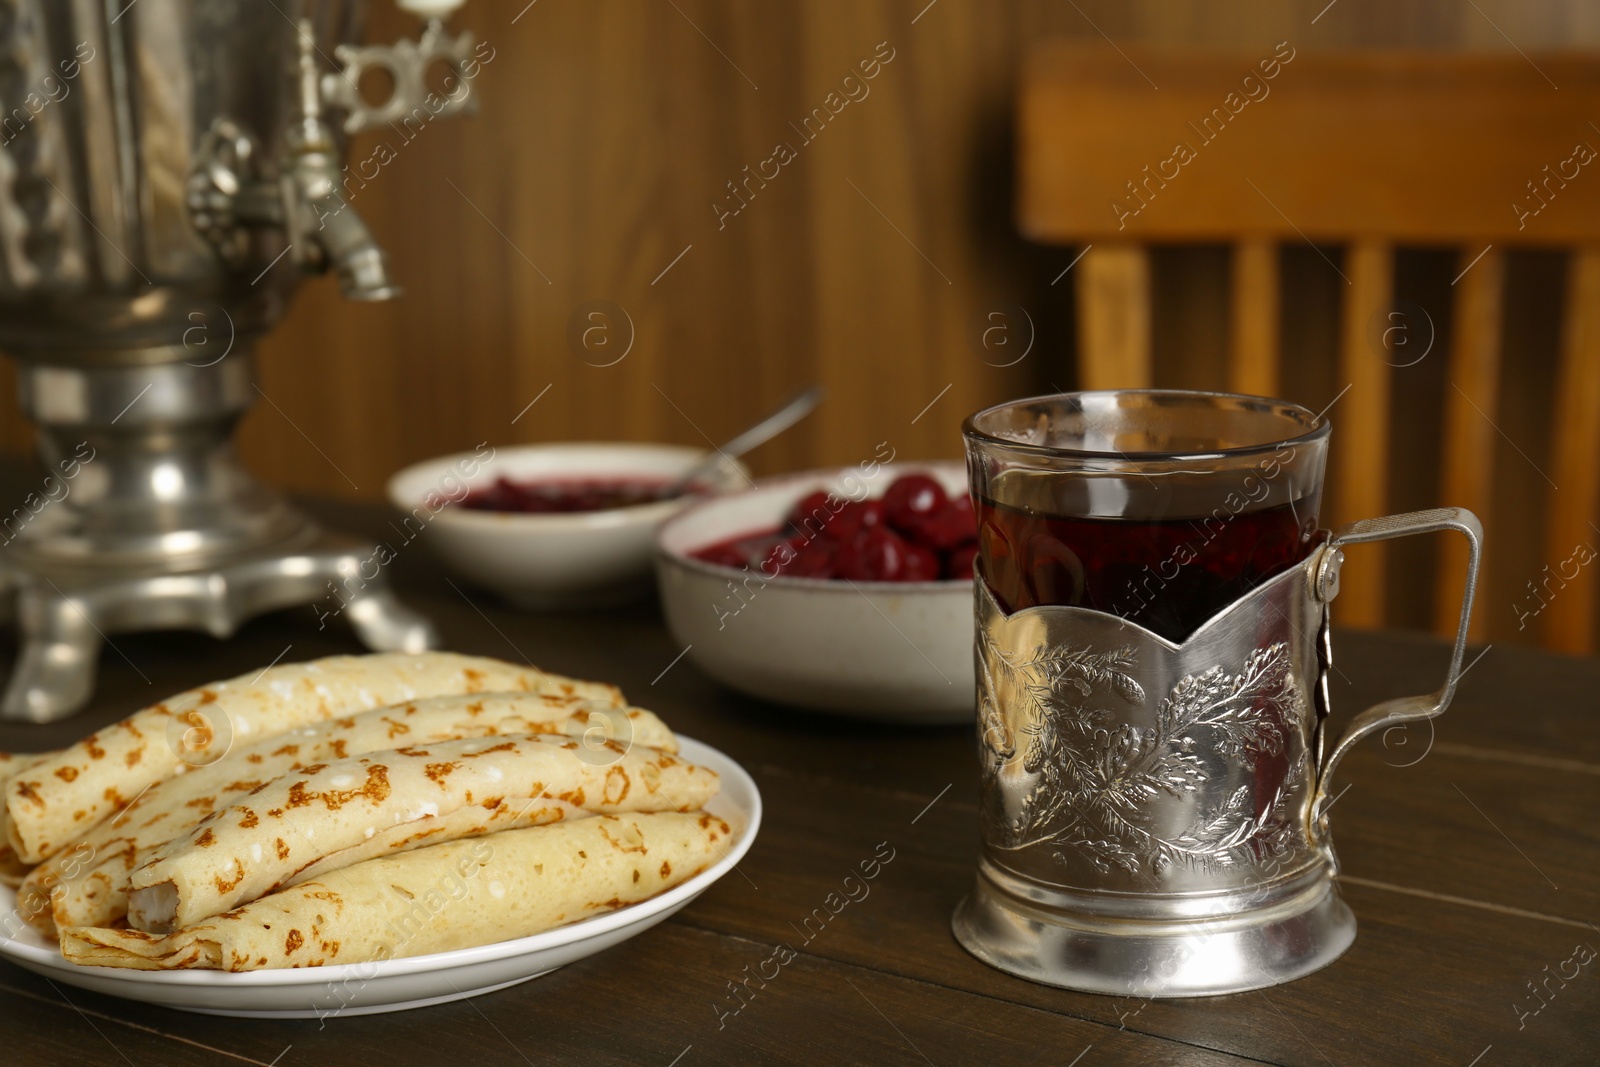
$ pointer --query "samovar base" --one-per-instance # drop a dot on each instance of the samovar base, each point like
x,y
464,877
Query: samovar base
x,y
1127,956
63,616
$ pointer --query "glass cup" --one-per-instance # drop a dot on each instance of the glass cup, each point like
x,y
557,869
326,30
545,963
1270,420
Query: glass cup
x,y
1160,507
1152,609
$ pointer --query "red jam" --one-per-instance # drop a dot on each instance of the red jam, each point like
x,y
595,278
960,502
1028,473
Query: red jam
x,y
565,495
914,533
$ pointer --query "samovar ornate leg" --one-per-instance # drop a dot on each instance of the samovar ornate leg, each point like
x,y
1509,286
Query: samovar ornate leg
x,y
62,628
55,669
379,619
384,624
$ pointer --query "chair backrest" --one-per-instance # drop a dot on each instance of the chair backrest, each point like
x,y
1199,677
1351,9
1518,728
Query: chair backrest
x,y
1123,148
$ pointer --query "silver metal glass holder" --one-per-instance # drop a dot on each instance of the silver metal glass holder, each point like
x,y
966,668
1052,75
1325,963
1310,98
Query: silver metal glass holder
x,y
1153,814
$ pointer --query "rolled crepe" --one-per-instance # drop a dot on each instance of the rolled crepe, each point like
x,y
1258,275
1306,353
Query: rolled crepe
x,y
332,816
13,872
12,869
14,763
59,799
87,885
435,899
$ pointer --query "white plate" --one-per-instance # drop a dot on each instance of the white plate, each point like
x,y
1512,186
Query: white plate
x,y
415,981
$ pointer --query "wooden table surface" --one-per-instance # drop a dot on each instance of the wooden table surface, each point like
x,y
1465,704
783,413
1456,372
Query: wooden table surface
x,y
1469,860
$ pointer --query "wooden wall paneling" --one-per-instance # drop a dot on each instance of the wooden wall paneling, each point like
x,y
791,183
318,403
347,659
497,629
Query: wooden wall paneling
x,y
602,129
1360,459
964,59
883,280
1470,405
591,135
1568,583
652,111
759,273
908,186
897,186
738,311
329,396
601,147
602,142
1253,319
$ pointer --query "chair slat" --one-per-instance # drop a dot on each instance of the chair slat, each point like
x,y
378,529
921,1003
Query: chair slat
x,y
1569,618
1253,352
1113,291
1470,411
1361,427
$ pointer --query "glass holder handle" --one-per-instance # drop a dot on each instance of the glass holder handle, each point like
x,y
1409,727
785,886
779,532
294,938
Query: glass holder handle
x,y
1324,576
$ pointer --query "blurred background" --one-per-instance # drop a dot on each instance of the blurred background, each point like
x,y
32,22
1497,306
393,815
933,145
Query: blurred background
x,y
606,175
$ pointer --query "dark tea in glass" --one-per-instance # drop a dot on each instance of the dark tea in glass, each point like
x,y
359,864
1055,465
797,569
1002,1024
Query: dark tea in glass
x,y
1160,507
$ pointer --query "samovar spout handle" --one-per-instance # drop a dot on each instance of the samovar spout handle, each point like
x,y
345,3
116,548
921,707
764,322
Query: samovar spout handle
x,y
358,261
407,63
1324,575
228,194
324,230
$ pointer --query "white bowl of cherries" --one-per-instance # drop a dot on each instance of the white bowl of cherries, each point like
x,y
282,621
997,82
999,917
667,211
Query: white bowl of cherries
x,y
823,591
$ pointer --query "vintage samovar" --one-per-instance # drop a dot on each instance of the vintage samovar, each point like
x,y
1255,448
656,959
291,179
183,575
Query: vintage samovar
x,y
169,170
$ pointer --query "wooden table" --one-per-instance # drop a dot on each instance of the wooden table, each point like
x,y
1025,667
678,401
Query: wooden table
x,y
1470,864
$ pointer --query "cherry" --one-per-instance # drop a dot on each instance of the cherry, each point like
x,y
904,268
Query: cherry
x,y
915,533
812,514
921,565
950,526
910,499
876,554
812,559
857,515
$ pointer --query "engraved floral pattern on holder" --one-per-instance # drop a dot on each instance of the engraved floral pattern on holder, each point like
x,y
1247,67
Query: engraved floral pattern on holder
x,y
1096,778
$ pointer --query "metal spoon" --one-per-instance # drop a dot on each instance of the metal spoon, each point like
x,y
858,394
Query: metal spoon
x,y
796,409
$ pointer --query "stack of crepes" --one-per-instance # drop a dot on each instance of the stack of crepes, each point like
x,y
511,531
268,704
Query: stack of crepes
x,y
365,808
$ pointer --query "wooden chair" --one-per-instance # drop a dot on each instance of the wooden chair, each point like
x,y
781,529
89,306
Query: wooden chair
x,y
1367,151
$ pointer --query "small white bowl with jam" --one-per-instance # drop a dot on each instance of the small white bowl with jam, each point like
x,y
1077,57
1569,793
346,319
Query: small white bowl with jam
x,y
550,526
